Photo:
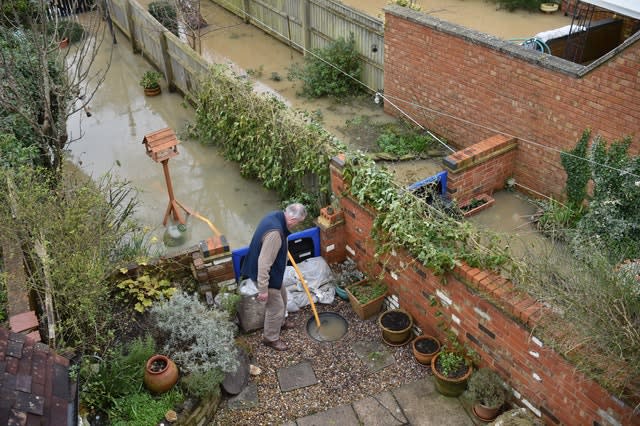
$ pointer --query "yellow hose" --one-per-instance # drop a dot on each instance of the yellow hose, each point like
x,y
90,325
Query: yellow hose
x,y
199,216
306,289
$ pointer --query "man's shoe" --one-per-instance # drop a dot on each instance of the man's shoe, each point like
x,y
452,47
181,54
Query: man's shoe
x,y
288,325
278,345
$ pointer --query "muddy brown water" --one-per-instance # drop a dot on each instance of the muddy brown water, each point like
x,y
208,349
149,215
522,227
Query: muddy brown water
x,y
202,179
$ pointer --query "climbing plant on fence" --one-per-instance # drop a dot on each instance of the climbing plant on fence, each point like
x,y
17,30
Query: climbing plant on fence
x,y
436,238
283,149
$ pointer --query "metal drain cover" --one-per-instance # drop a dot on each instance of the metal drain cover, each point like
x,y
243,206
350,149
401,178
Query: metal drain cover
x,y
332,327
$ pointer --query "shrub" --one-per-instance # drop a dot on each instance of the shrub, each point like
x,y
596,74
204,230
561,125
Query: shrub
x,y
165,13
485,387
332,71
72,30
284,150
197,338
75,224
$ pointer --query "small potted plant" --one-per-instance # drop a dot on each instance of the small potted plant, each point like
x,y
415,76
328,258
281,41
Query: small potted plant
x,y
366,297
488,394
150,82
451,369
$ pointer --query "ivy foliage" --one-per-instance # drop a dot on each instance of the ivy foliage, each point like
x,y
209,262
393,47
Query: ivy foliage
x,y
578,170
433,236
612,220
284,150
331,71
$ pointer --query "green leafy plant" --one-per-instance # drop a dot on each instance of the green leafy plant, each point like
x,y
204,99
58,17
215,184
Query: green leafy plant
x,y
403,143
118,374
450,363
144,290
332,71
150,79
368,290
143,409
485,387
428,232
165,12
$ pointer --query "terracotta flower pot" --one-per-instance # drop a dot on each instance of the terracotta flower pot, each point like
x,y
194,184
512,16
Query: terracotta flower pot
x,y
160,374
396,326
154,91
485,413
424,348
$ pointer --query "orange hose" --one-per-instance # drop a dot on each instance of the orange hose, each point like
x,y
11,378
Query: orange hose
x,y
306,289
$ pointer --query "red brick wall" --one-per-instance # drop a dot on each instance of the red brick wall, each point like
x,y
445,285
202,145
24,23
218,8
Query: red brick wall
x,y
481,168
435,71
492,317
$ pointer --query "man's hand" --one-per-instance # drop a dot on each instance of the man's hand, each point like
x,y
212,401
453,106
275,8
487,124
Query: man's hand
x,y
262,297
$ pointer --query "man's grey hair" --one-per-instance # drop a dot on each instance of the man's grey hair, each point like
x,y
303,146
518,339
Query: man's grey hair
x,y
296,211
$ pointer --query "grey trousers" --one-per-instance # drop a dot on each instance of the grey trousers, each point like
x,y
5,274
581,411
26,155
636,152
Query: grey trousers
x,y
274,314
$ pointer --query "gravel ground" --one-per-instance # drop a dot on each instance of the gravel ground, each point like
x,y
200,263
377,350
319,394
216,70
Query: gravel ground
x,y
342,377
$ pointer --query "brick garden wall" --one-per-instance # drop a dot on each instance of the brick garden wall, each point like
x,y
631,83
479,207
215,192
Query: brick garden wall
x,y
487,313
435,71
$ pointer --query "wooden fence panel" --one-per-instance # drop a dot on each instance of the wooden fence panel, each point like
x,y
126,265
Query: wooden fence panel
x,y
328,21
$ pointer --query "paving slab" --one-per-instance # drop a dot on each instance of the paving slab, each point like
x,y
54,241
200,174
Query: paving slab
x,y
375,355
380,410
248,398
296,376
423,405
344,415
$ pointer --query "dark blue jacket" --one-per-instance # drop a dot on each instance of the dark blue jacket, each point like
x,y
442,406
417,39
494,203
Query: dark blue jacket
x,y
272,221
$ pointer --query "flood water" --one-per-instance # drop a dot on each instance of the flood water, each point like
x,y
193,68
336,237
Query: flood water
x,y
202,180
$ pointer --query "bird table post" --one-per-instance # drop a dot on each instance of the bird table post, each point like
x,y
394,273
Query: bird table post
x,y
161,145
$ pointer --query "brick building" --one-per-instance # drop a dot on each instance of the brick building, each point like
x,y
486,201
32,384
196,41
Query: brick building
x,y
468,86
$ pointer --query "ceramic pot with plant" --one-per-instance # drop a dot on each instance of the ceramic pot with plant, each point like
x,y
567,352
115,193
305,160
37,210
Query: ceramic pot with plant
x,y
424,348
488,394
160,374
366,297
396,325
150,82
451,370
